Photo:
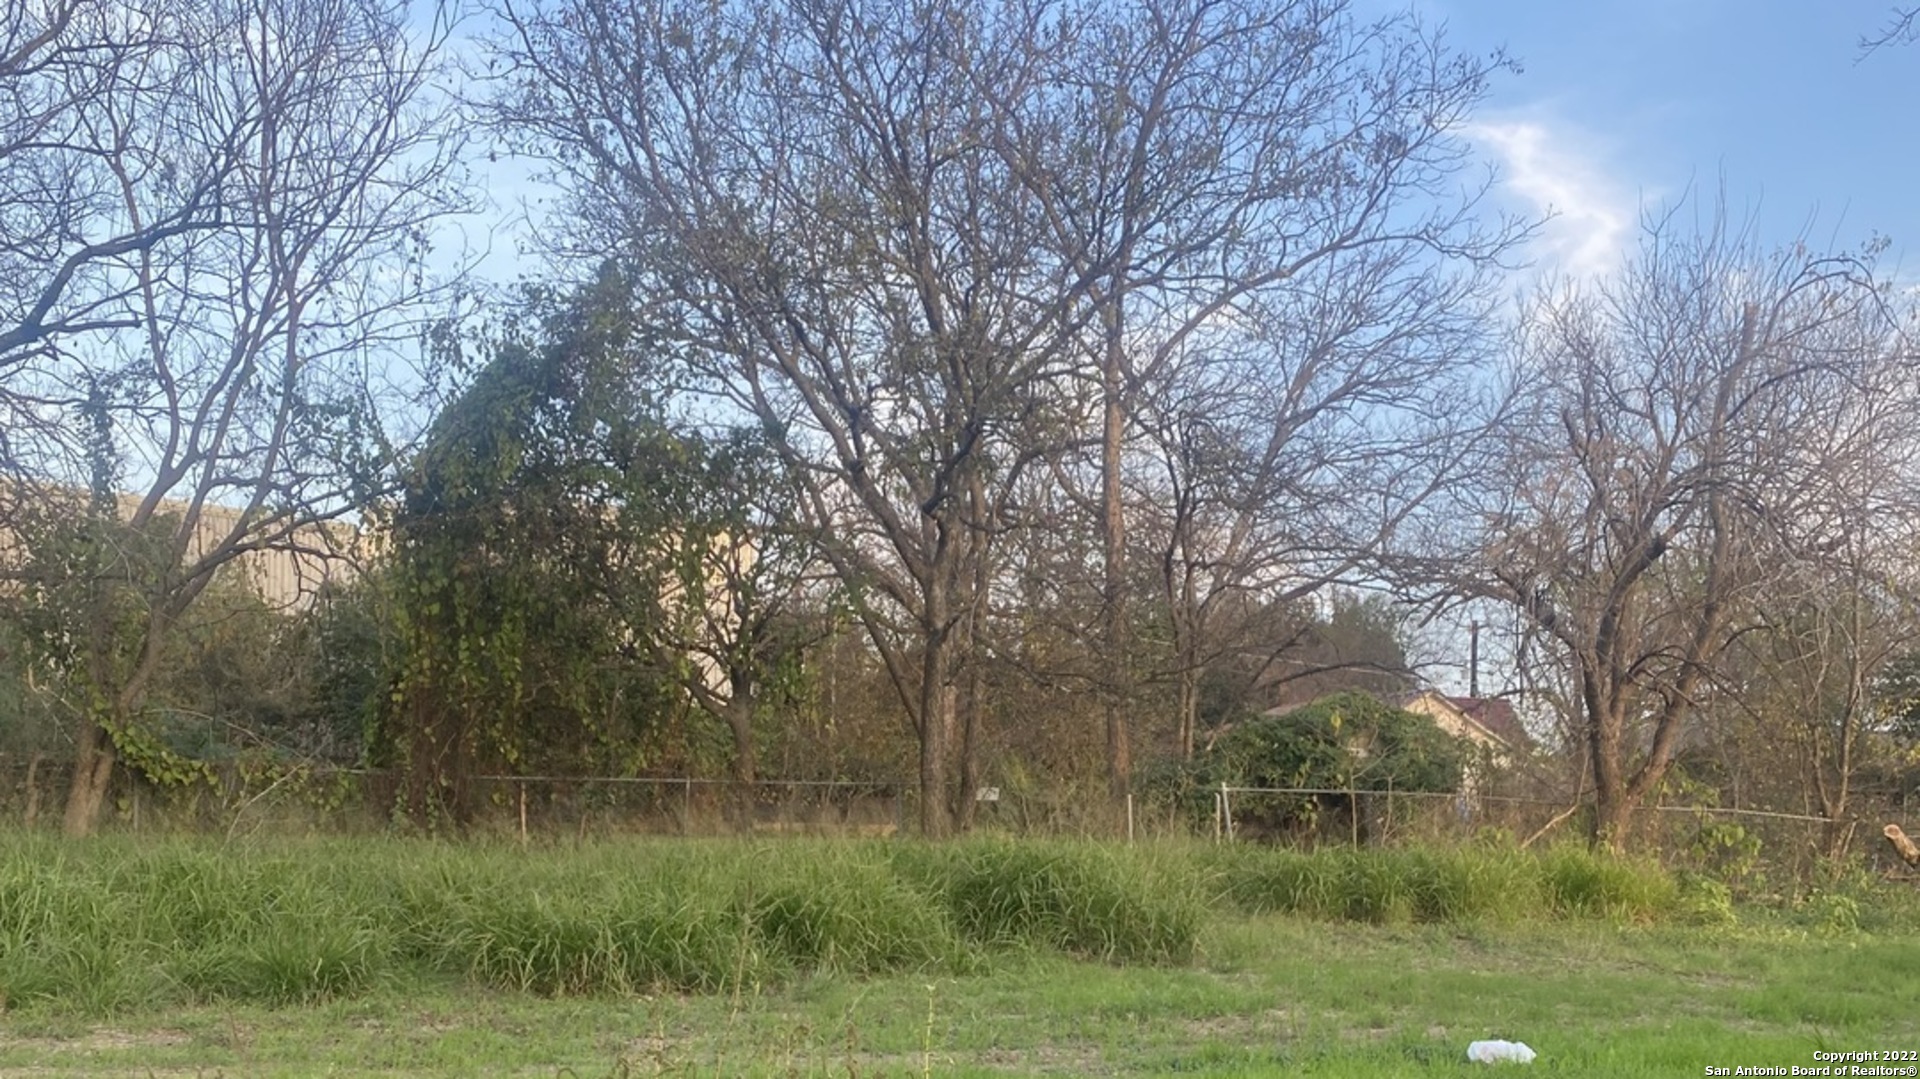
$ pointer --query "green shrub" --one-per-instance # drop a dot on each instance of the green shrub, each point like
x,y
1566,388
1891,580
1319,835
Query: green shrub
x,y
1705,900
1345,740
1835,915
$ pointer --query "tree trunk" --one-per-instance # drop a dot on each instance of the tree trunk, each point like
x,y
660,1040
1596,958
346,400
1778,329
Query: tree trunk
x,y
937,703
973,707
739,712
1839,830
972,720
92,774
1189,708
32,815
1612,804
1612,817
1177,578
967,804
936,711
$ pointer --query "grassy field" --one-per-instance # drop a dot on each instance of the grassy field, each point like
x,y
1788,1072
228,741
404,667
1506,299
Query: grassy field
x,y
895,959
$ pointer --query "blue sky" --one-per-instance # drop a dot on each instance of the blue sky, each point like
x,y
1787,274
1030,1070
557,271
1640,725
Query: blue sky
x,y
1627,104
1621,105
1635,103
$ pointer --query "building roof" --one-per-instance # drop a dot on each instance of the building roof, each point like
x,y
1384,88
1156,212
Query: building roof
x,y
1494,717
1497,715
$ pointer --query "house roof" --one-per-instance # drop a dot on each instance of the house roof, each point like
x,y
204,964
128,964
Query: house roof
x,y
1497,715
1493,715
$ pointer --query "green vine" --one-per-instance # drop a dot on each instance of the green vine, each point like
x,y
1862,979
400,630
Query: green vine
x,y
525,568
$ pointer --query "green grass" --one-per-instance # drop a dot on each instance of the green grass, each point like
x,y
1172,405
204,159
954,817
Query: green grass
x,y
1264,996
988,957
116,924
113,925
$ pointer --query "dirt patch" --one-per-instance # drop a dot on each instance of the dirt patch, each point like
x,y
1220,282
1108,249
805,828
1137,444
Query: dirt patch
x,y
1049,1058
99,1039
1273,1023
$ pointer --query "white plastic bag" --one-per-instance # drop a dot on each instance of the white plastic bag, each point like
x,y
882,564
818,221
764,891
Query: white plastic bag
x,y
1499,1052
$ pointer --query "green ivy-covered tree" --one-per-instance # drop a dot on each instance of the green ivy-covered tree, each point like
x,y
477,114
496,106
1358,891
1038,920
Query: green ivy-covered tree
x,y
83,612
1342,742
519,571
572,567
76,630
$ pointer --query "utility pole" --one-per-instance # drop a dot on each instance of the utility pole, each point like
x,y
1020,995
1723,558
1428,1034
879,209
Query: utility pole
x,y
1473,660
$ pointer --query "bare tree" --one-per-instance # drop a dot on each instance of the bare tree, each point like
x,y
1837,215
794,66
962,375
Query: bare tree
x,y
932,245
1663,474
1899,29
810,191
1804,681
214,218
67,238
1843,604
1214,175
1305,452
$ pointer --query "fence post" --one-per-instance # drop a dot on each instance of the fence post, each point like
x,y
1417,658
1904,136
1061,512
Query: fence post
x,y
1129,816
1226,810
1388,836
1353,810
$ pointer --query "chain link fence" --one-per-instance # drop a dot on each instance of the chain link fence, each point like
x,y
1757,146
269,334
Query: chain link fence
x,y
243,796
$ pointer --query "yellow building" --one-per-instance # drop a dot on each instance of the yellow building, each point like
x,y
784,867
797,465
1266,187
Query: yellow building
x,y
287,572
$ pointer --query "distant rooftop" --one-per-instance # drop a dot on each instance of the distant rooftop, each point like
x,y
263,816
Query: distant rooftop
x,y
1497,715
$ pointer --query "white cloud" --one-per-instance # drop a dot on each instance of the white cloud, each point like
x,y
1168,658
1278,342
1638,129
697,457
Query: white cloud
x,y
1590,216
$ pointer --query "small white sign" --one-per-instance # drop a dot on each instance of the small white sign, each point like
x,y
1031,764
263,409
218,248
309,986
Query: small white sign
x,y
987,794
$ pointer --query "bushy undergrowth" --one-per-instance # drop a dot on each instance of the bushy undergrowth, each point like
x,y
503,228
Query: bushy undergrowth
x,y
119,924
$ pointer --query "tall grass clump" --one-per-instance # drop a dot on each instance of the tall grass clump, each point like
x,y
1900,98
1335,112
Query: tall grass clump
x,y
560,922
1498,884
59,937
1578,881
270,929
600,939
119,926
847,909
1481,883
1086,899
1263,880
121,923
